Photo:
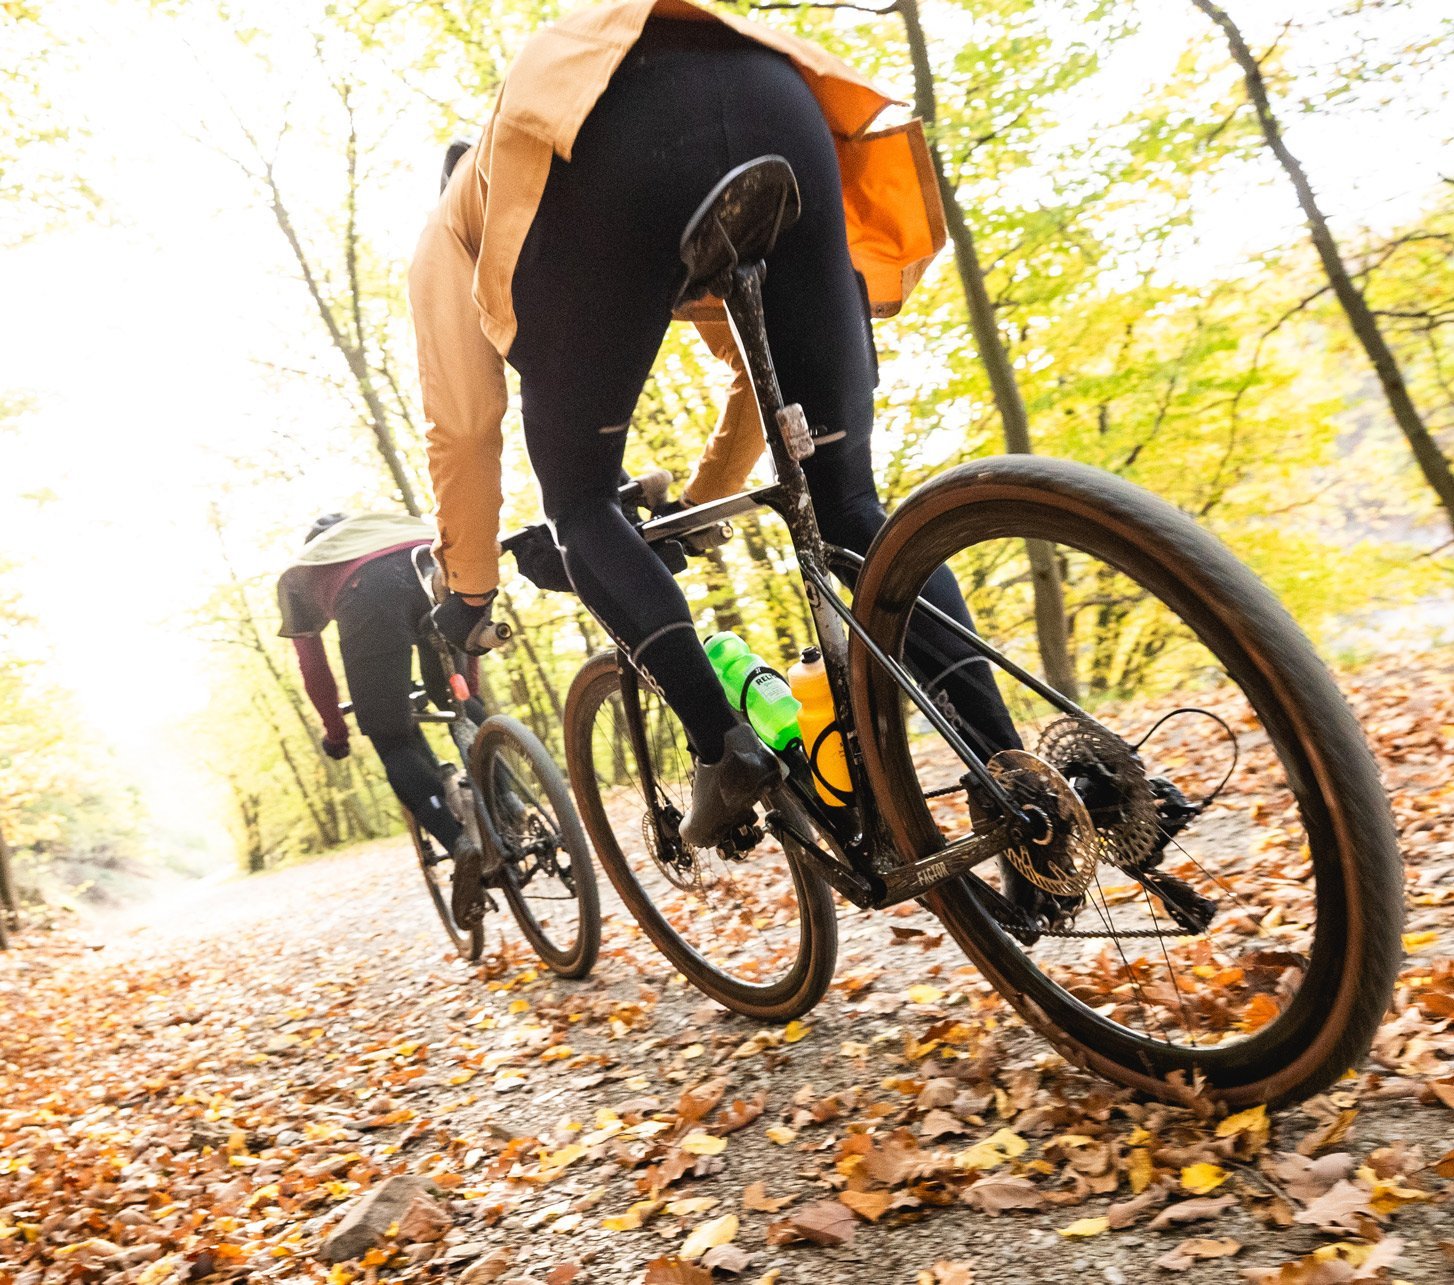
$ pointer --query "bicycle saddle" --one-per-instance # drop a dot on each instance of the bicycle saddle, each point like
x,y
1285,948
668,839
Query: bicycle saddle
x,y
739,222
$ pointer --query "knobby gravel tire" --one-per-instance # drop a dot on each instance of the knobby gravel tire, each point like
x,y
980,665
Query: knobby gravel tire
x,y
470,942
573,959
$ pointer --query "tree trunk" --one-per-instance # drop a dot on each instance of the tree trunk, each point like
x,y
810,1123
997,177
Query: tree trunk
x,y
522,635
1432,462
326,837
353,355
587,630
249,808
9,904
774,599
726,614
1050,628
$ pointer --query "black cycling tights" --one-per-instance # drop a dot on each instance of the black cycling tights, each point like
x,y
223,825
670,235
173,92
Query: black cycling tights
x,y
378,632
593,292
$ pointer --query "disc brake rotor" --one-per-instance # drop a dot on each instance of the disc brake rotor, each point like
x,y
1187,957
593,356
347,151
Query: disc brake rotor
x,y
1060,857
1109,778
683,872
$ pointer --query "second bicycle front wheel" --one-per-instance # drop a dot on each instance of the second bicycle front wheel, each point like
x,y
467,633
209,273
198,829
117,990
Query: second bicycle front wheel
x,y
547,874
751,928
1226,910
438,871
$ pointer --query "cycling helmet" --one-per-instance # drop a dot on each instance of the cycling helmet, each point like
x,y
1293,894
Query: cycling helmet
x,y
452,155
321,524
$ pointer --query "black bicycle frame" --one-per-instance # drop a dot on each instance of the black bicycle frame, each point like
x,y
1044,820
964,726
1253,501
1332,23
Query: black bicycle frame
x,y
867,870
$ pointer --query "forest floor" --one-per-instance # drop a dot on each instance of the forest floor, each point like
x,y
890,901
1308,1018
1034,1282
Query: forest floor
x,y
204,1087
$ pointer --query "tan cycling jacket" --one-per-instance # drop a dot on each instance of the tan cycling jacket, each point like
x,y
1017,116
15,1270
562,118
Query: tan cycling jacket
x,y
459,282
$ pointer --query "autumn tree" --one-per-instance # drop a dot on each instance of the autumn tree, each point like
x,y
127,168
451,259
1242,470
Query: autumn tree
x,y
40,179
1352,299
9,904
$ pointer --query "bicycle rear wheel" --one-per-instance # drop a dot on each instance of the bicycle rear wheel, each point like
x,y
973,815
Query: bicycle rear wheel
x,y
547,876
437,869
1250,945
753,929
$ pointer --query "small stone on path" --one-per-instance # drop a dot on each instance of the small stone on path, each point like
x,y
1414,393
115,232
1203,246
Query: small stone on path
x,y
370,1218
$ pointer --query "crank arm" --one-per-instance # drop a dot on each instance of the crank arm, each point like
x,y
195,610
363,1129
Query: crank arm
x,y
863,892
950,862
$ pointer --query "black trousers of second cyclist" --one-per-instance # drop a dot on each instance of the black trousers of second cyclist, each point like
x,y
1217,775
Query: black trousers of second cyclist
x,y
378,632
593,292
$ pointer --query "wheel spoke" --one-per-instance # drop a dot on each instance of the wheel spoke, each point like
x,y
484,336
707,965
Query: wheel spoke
x,y
732,920
1198,886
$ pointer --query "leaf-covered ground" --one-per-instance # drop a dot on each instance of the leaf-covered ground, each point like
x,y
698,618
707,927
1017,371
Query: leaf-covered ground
x,y
207,1096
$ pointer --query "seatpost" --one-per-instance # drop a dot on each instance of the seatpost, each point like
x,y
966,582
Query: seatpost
x,y
749,328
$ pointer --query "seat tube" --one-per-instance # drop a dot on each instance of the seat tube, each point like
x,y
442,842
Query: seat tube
x,y
793,502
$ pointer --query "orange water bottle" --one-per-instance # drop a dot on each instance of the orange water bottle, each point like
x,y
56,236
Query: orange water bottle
x,y
821,738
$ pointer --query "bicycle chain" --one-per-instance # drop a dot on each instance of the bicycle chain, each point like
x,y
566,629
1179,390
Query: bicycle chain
x,y
1105,936
1025,926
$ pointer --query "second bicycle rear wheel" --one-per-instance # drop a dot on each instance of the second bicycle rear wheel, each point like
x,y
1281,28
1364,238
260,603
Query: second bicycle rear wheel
x,y
547,874
753,929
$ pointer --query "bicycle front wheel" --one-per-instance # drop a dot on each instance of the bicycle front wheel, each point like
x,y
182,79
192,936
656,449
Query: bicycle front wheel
x,y
1227,909
547,874
438,869
751,928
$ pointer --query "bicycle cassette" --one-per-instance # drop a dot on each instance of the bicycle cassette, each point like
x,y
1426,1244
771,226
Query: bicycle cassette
x,y
1111,781
1058,852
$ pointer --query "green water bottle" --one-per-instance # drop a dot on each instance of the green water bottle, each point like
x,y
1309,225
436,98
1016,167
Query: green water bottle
x,y
755,688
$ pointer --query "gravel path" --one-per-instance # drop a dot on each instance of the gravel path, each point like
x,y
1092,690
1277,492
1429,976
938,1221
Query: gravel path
x,y
206,1093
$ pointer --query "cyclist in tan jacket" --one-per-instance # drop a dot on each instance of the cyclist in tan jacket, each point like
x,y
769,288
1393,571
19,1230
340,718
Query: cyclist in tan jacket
x,y
555,247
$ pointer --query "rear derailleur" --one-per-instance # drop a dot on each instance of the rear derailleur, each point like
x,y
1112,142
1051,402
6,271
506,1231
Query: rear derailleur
x,y
1174,812
1028,912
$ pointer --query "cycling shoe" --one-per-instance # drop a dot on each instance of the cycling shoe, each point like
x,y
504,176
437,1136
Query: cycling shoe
x,y
724,791
467,895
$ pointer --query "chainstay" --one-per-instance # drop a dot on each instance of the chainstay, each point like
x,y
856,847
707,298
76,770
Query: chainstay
x,y
1023,925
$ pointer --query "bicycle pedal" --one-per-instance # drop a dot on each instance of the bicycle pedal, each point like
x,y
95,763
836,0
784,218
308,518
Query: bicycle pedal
x,y
744,838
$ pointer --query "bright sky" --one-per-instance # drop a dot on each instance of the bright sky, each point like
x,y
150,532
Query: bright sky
x,y
146,340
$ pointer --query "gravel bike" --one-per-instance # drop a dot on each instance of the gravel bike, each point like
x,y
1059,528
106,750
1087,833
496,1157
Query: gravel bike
x,y
1187,881
514,802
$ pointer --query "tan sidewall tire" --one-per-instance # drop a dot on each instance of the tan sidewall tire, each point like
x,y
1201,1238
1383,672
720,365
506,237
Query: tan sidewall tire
x,y
1000,497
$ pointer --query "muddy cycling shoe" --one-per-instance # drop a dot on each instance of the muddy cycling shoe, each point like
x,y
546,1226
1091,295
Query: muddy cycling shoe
x,y
467,895
724,791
